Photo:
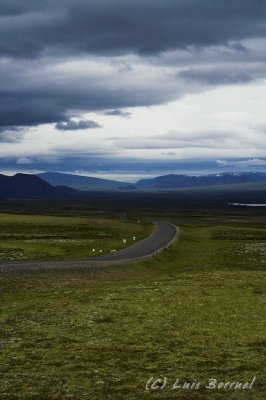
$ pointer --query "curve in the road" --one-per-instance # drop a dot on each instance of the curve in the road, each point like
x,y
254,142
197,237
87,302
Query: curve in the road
x,y
163,235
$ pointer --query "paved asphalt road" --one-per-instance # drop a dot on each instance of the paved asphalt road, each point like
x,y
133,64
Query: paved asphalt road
x,y
162,237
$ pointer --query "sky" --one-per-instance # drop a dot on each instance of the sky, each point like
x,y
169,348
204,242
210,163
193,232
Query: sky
x,y
128,89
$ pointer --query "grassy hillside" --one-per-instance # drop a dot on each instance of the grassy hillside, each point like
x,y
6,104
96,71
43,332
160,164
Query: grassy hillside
x,y
195,311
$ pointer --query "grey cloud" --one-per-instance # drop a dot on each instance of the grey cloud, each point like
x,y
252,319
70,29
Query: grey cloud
x,y
11,135
24,161
119,27
118,113
198,135
72,125
259,128
216,76
179,140
9,129
121,65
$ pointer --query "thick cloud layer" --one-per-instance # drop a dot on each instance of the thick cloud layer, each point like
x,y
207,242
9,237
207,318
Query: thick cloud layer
x,y
69,63
75,56
51,90
119,27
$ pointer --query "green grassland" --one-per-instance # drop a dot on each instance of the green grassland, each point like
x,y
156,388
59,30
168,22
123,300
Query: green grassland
x,y
54,237
194,311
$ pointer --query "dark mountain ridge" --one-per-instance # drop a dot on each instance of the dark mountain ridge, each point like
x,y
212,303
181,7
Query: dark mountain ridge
x,y
29,186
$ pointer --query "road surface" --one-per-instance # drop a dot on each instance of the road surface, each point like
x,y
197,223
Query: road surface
x,y
162,237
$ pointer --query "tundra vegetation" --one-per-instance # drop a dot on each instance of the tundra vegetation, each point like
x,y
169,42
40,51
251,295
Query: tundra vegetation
x,y
193,312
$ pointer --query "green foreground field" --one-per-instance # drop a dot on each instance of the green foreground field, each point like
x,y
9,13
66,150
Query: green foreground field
x,y
193,312
56,237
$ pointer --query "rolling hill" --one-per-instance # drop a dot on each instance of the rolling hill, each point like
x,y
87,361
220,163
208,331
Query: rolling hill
x,y
81,182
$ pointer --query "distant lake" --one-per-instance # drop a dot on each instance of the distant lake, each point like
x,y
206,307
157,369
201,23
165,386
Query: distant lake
x,y
247,204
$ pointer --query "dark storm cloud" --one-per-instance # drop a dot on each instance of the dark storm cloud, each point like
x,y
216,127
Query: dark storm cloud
x,y
115,26
117,113
29,109
53,90
72,125
38,37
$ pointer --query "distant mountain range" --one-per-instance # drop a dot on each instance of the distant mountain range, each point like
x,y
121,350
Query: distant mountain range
x,y
30,186
81,182
57,185
173,181
183,181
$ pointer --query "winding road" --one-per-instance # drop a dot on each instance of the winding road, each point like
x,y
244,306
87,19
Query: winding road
x,y
163,235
